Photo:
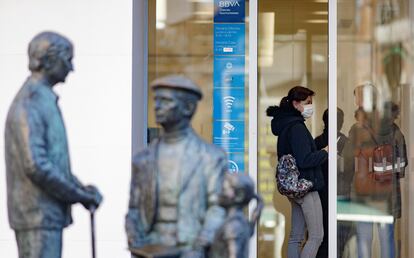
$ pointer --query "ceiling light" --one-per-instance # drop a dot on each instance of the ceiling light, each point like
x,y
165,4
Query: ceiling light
x,y
201,1
202,22
266,23
203,13
317,21
161,14
318,58
160,25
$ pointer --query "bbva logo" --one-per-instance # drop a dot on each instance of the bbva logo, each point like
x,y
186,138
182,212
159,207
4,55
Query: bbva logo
x,y
229,3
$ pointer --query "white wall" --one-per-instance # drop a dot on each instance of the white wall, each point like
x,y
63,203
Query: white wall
x,y
95,101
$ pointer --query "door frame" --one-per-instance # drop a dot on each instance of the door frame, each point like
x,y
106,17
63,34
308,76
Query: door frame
x,y
332,130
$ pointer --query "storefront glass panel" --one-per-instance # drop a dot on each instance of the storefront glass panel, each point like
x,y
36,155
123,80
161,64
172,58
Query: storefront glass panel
x,y
198,39
375,93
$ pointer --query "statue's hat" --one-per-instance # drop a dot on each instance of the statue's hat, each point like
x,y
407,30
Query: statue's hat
x,y
177,82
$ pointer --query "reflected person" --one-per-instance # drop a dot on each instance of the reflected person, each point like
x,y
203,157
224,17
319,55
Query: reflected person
x,y
321,142
388,133
40,185
177,180
375,132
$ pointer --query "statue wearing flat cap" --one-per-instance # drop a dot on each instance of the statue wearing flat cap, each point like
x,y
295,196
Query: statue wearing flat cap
x,y
176,181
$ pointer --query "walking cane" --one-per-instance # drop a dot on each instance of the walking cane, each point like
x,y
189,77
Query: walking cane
x,y
92,210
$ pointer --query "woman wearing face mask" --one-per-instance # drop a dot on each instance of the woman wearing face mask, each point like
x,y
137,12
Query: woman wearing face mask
x,y
294,138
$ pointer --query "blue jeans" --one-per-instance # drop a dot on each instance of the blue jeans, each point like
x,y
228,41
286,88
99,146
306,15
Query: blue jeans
x,y
386,237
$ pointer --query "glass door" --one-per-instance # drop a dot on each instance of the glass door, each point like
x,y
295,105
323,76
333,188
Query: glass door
x,y
292,50
375,92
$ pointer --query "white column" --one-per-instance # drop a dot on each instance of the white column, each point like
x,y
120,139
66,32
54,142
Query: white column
x,y
253,115
332,79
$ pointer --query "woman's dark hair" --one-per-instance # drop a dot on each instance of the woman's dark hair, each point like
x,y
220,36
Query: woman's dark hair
x,y
297,93
340,118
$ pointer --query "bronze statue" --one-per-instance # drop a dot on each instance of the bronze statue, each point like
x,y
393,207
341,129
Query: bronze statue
x,y
176,181
40,185
232,239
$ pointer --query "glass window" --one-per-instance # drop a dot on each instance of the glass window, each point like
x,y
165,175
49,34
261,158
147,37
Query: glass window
x,y
374,93
187,37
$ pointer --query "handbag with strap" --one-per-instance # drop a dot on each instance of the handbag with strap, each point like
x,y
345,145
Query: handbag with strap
x,y
287,179
287,175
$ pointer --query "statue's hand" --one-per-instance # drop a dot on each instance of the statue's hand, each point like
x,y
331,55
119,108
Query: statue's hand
x,y
94,198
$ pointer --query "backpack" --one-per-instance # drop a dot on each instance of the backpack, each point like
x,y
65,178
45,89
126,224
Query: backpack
x,y
366,180
386,162
287,179
376,166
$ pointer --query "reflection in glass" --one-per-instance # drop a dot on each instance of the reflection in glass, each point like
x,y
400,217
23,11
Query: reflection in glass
x,y
374,70
181,41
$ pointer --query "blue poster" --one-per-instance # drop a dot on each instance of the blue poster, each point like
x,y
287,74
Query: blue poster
x,y
229,81
236,162
228,103
229,71
229,39
229,135
229,10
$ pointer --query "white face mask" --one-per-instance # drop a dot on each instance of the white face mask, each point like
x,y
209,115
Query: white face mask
x,y
307,111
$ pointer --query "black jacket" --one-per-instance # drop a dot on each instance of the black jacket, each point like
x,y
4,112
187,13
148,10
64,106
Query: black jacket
x,y
295,139
344,179
321,142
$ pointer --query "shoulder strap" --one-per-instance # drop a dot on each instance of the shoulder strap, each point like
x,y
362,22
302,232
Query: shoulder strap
x,y
341,141
371,133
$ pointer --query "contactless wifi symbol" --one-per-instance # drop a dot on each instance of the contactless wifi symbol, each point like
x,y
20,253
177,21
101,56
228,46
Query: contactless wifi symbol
x,y
228,102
